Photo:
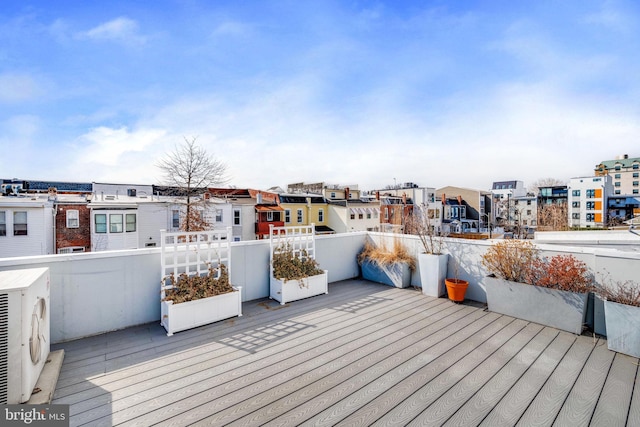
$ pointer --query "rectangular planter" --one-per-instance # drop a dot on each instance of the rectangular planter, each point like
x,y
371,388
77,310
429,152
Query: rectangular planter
x,y
433,271
397,274
191,314
623,328
293,290
550,307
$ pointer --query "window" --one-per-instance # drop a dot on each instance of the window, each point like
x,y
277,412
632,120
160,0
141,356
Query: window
x,y
236,217
617,184
516,203
20,223
218,215
617,192
287,215
299,216
591,217
73,218
636,174
175,219
575,193
635,183
368,215
115,223
591,206
635,191
101,223
3,223
320,215
528,202
591,194
360,216
528,211
575,204
352,216
131,223
575,216
618,167
636,166
269,216
617,176
333,195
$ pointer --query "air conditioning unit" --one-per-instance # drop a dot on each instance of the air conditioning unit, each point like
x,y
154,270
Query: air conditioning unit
x,y
24,331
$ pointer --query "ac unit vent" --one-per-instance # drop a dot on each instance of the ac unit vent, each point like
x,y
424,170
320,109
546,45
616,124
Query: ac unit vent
x,y
71,249
4,348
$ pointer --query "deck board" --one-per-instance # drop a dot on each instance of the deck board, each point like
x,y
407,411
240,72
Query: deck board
x,y
364,353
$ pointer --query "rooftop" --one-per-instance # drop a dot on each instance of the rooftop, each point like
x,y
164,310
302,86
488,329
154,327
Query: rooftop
x,y
363,354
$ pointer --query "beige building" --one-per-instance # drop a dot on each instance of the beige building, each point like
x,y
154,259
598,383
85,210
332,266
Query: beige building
x,y
625,174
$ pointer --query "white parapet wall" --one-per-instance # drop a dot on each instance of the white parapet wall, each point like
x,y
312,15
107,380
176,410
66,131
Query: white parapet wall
x,y
92,293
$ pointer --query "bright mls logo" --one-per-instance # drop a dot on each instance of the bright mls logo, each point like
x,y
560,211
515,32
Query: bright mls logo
x,y
35,415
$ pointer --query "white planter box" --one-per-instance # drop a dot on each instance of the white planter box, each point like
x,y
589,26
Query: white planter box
x,y
293,290
433,271
191,314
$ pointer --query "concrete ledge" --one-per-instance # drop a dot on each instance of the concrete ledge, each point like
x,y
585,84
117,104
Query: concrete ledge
x,y
46,384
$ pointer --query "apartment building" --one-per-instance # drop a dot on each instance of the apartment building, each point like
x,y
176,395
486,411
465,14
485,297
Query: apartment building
x,y
625,174
26,225
587,201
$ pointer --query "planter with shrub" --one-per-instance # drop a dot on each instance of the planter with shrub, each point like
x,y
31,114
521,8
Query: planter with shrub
x,y
294,271
194,292
389,266
550,291
622,316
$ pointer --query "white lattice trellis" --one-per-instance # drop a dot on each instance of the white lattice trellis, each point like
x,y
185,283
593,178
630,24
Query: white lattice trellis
x,y
297,238
193,253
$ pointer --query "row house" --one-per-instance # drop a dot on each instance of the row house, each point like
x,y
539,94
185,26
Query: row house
x,y
470,209
306,209
26,225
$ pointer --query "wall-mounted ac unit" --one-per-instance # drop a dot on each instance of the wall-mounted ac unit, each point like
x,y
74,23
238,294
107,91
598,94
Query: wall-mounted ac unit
x,y
24,331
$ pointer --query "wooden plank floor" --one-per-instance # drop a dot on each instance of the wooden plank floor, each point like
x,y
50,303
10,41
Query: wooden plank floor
x,y
365,354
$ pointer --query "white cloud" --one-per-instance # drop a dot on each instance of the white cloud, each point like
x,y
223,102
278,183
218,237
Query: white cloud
x,y
121,29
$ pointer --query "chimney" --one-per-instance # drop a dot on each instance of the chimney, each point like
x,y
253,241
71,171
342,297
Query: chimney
x,y
259,198
377,195
459,200
346,193
404,198
444,199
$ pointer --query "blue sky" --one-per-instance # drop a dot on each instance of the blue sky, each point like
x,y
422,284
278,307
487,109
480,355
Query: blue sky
x,y
346,92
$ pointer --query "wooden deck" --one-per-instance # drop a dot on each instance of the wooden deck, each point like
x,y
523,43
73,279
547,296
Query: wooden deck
x,y
365,354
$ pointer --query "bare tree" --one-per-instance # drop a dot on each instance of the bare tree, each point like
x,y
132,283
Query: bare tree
x,y
544,182
190,171
553,217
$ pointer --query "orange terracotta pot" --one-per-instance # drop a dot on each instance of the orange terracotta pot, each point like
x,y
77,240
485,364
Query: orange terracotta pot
x,y
456,288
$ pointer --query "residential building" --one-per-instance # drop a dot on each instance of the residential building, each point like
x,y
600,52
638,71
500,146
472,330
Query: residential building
x,y
588,201
306,209
552,195
625,174
72,222
477,204
26,225
508,189
525,213
354,215
623,208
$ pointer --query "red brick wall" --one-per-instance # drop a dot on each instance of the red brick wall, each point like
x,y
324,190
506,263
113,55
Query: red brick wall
x,y
80,236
